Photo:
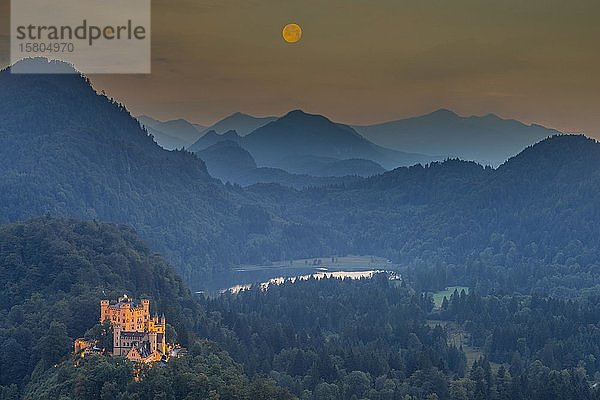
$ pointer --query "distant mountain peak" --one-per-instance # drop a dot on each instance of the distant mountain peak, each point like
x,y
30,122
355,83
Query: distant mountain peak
x,y
212,137
488,139
443,112
236,115
180,121
297,112
172,134
302,117
242,123
303,114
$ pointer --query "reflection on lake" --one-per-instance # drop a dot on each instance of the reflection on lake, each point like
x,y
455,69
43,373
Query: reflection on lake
x,y
341,267
317,275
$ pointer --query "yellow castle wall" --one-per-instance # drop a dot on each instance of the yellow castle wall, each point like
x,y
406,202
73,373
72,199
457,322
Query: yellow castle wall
x,y
134,319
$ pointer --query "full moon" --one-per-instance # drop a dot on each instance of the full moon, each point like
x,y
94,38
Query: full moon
x,y
292,33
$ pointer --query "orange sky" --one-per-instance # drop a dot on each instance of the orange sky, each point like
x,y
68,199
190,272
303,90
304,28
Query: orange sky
x,y
365,61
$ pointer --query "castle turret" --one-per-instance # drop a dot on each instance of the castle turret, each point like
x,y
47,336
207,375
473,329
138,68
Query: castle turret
x,y
117,345
104,310
146,306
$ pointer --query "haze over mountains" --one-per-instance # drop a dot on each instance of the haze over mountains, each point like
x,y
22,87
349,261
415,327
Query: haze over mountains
x,y
487,140
308,144
66,150
305,144
314,147
242,123
299,134
228,161
174,134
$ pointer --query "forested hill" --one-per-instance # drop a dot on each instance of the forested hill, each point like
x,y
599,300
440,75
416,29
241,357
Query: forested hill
x,y
531,224
53,274
55,271
66,150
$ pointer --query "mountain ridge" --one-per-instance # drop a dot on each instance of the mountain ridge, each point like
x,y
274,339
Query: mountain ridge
x,y
300,134
171,134
239,122
487,139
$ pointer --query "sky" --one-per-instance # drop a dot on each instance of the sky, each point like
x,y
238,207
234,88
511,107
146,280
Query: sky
x,y
367,61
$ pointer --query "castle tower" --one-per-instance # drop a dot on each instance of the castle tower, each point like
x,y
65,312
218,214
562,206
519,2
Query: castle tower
x,y
146,306
104,310
117,345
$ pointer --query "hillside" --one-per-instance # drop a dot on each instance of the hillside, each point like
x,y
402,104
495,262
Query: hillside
x,y
211,137
53,274
267,175
174,134
527,225
488,139
228,161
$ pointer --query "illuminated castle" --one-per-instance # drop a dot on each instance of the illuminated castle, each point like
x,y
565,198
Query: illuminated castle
x,y
136,335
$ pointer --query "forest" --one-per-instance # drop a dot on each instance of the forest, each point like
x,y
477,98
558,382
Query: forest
x,y
380,339
313,339
53,274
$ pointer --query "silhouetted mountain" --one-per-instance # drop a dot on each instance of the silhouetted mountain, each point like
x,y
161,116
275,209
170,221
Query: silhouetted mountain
x,y
229,162
299,134
226,158
174,134
489,139
302,167
241,123
211,138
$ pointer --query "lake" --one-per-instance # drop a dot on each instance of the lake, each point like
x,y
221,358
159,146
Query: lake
x,y
343,267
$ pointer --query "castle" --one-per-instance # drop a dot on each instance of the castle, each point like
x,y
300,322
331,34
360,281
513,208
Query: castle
x,y
136,335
